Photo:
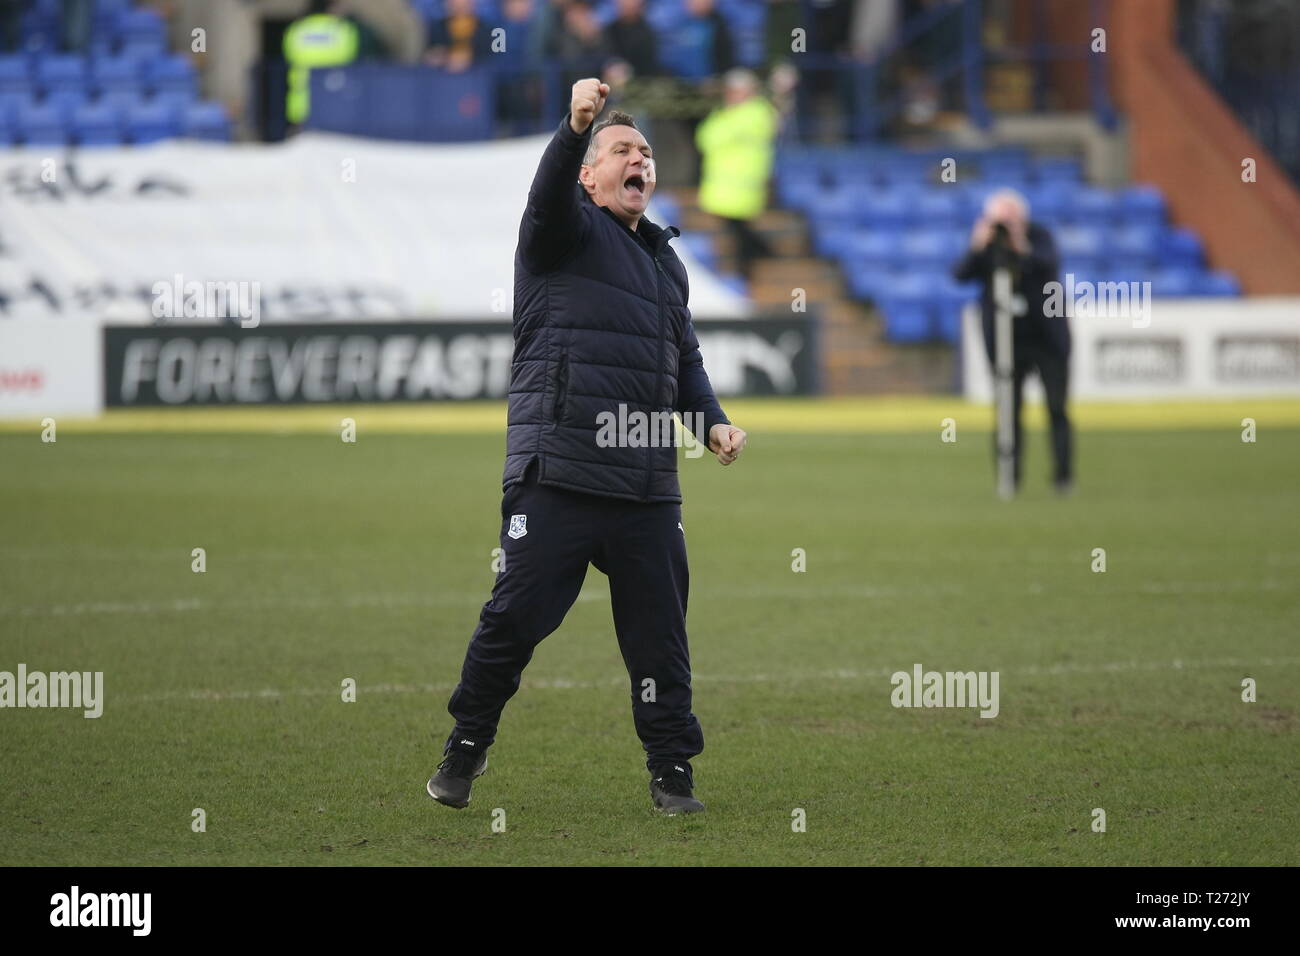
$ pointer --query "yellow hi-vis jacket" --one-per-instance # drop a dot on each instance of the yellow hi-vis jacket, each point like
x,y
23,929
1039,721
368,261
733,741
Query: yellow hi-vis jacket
x,y
736,143
314,41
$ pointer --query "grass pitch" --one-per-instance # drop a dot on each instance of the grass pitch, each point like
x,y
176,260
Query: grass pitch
x,y
1118,690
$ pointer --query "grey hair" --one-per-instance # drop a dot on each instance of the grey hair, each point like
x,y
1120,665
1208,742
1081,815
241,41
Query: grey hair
x,y
615,118
1008,195
741,78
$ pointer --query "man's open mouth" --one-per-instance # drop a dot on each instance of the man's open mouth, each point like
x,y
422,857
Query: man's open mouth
x,y
635,182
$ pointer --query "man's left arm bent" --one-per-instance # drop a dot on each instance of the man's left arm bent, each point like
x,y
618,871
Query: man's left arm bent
x,y
695,396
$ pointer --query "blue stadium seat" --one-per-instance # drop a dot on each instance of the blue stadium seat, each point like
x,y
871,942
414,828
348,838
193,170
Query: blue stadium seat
x,y
65,101
1142,206
62,74
932,249
949,301
865,281
143,48
123,101
1051,203
907,302
1181,249
107,12
701,246
1136,241
149,122
1003,170
140,24
1088,267
172,75
834,206
1174,283
797,162
97,124
941,207
886,208
178,103
206,121
1088,205
831,240
1085,241
41,124
667,208
116,75
10,103
1057,171
797,191
907,318
16,75
875,249
1216,284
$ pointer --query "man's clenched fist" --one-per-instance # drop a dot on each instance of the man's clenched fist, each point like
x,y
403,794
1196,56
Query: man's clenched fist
x,y
726,441
588,100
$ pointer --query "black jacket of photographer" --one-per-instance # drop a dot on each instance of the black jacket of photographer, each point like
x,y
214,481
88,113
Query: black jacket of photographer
x,y
1030,277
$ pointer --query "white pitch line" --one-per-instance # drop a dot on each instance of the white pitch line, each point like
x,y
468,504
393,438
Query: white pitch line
x,y
598,593
850,674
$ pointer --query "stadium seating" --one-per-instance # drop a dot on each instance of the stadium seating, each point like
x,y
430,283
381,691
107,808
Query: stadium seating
x,y
125,89
746,21
897,230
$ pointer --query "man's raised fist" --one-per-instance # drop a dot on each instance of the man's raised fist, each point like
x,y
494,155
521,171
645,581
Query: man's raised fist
x,y
588,100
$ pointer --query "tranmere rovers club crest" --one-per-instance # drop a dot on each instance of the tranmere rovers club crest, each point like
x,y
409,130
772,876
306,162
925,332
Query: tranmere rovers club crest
x,y
518,526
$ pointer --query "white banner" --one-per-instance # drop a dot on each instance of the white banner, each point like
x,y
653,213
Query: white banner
x,y
1180,348
321,228
50,367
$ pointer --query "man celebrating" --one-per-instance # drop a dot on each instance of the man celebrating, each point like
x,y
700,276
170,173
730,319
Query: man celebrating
x,y
601,326
1039,341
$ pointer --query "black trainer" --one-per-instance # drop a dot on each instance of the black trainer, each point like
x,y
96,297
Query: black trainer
x,y
450,785
670,788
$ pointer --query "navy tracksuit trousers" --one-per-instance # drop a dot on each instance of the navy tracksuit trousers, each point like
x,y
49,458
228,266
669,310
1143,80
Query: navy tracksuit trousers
x,y
641,547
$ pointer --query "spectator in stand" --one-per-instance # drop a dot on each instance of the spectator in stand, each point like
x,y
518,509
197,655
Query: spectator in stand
x,y
783,17
458,39
519,92
934,51
77,18
630,38
371,44
700,45
11,24
736,143
544,38
517,22
826,107
322,38
581,44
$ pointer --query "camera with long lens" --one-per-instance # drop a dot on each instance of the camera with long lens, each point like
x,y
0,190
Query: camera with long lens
x,y
1003,251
